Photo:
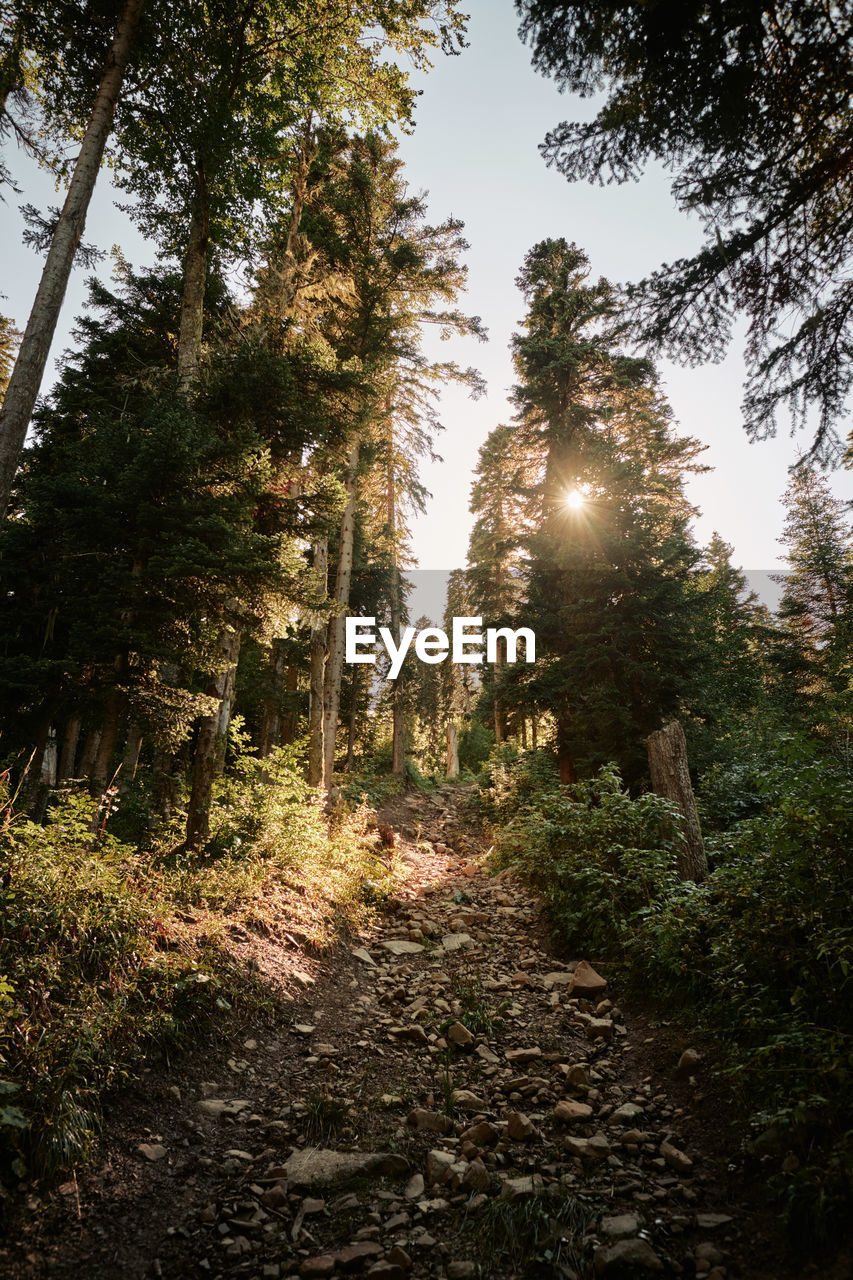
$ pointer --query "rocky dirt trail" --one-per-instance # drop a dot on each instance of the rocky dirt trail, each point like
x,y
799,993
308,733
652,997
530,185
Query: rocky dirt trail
x,y
449,1100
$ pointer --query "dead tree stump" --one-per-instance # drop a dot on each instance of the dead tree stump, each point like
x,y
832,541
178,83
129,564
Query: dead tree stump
x,y
667,750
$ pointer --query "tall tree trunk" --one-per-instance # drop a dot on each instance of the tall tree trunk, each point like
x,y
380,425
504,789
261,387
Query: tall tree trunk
x,y
68,753
534,739
90,751
667,750
291,715
451,767
192,300
398,722
316,754
28,372
103,763
353,720
129,764
269,735
565,758
500,712
212,738
337,623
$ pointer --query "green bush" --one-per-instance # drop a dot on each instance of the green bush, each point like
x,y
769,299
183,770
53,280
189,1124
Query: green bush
x,y
763,949
595,855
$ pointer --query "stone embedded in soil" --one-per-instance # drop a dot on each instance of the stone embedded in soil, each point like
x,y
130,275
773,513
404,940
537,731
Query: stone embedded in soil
x,y
519,1127
432,1121
626,1258
620,1225
152,1151
323,1264
569,1112
415,1187
399,947
585,982
465,1100
362,954
711,1221
455,941
353,1256
461,1269
688,1062
320,1167
523,1055
521,1188
221,1109
627,1113
677,1160
459,1034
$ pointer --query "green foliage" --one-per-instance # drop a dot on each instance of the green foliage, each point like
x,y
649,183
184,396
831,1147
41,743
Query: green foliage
x,y
745,103
597,857
101,962
764,948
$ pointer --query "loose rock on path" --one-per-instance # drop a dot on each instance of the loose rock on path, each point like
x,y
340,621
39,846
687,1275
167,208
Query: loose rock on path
x,y
449,1100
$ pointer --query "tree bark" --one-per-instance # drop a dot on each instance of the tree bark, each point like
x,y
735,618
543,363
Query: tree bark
x,y
132,749
212,737
316,754
398,721
451,767
269,735
290,718
192,298
534,738
353,721
103,763
68,753
335,659
667,751
25,382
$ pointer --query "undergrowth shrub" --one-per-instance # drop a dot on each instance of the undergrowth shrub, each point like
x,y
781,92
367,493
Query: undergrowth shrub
x,y
763,950
110,952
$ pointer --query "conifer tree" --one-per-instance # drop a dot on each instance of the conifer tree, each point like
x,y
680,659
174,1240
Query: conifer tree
x,y
747,104
611,556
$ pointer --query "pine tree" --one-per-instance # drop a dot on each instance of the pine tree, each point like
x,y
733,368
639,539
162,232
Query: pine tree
x,y
747,104
610,556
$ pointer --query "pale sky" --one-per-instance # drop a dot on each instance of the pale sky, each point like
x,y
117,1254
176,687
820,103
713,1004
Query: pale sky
x,y
480,120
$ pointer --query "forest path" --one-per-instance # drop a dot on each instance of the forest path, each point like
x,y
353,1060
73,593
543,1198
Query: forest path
x,y
441,1105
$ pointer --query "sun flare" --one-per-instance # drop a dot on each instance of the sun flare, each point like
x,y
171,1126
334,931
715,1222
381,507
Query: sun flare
x,y
574,499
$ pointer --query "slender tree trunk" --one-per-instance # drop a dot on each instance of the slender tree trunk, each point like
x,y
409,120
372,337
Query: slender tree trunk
x,y
192,299
335,659
269,735
28,372
212,737
68,753
353,720
290,717
90,751
103,764
500,713
667,750
398,722
565,758
132,749
534,741
451,767
316,729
